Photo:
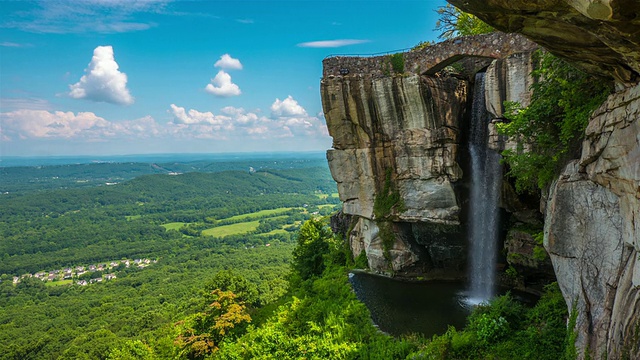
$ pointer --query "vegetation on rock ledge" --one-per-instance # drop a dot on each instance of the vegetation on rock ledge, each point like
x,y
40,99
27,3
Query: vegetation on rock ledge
x,y
549,131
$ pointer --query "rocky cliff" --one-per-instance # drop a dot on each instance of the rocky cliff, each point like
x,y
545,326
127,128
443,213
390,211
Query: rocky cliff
x,y
399,146
592,226
403,131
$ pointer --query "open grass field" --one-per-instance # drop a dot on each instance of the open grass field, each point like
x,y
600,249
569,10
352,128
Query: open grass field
x,y
324,196
173,225
58,283
259,214
233,229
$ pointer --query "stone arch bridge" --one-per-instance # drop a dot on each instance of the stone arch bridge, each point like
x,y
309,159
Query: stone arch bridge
x,y
431,59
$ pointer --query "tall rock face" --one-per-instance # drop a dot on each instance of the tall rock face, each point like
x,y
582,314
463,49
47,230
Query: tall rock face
x,y
401,132
592,230
400,125
592,216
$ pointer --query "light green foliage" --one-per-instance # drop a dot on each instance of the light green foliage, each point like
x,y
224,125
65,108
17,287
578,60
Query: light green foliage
x,y
571,353
233,229
313,245
491,329
202,333
132,350
511,272
539,253
323,321
454,22
229,280
421,45
553,124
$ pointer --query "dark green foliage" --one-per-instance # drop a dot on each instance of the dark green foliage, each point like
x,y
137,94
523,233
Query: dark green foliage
x,y
454,22
505,329
312,246
126,317
397,63
388,199
553,124
361,261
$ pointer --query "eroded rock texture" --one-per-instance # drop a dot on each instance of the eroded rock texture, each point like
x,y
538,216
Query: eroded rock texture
x,y
592,230
601,36
409,127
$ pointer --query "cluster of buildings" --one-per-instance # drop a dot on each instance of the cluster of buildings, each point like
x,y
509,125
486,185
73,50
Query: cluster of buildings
x,y
74,273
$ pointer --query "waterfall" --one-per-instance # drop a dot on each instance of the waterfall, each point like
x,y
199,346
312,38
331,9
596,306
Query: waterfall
x,y
486,178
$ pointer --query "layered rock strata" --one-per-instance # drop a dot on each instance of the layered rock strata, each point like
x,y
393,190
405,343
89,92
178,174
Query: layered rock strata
x,y
404,132
406,128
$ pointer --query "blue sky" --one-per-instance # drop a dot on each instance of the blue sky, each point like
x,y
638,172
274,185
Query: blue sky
x,y
159,76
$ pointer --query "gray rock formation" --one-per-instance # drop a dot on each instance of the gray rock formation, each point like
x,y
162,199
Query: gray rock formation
x,y
408,126
592,230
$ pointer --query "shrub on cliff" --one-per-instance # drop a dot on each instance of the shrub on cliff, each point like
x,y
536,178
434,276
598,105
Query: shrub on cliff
x,y
550,129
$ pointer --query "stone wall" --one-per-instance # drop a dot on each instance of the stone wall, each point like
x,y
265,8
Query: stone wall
x,y
432,58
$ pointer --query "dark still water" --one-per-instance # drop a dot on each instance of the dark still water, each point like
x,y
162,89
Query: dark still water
x,y
399,307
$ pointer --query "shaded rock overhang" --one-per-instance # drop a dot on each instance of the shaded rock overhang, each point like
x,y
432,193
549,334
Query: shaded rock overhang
x,y
600,36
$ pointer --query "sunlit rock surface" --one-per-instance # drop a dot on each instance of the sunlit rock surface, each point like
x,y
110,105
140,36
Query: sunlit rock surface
x,y
592,230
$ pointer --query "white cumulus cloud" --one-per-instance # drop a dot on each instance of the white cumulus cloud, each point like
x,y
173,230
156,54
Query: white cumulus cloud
x,y
287,107
34,124
332,43
226,62
222,86
194,117
103,80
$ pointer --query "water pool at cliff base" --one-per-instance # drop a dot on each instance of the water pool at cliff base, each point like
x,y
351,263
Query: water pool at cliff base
x,y
427,307
401,307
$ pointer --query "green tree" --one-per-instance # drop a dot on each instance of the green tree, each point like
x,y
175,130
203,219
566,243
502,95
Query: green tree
x,y
202,333
132,350
549,131
454,22
308,256
228,280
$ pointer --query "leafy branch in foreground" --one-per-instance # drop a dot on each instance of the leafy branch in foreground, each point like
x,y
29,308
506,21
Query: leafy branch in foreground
x,y
548,131
454,22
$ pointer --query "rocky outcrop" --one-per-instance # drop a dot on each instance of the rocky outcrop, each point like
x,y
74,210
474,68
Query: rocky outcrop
x,y
399,129
404,132
601,36
592,230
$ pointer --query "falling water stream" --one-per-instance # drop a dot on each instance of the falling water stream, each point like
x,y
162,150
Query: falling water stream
x,y
486,175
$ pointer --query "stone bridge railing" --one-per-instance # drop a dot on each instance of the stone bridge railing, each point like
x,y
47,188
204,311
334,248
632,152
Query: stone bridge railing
x,y
431,59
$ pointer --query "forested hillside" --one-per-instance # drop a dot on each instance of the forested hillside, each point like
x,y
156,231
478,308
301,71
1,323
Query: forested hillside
x,y
189,226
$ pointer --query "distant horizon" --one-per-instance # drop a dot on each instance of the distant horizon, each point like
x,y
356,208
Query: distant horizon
x,y
50,160
165,154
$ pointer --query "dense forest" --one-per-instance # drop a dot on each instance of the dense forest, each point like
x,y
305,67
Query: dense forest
x,y
238,272
192,225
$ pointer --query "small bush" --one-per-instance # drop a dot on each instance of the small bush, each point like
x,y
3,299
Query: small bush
x,y
397,63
